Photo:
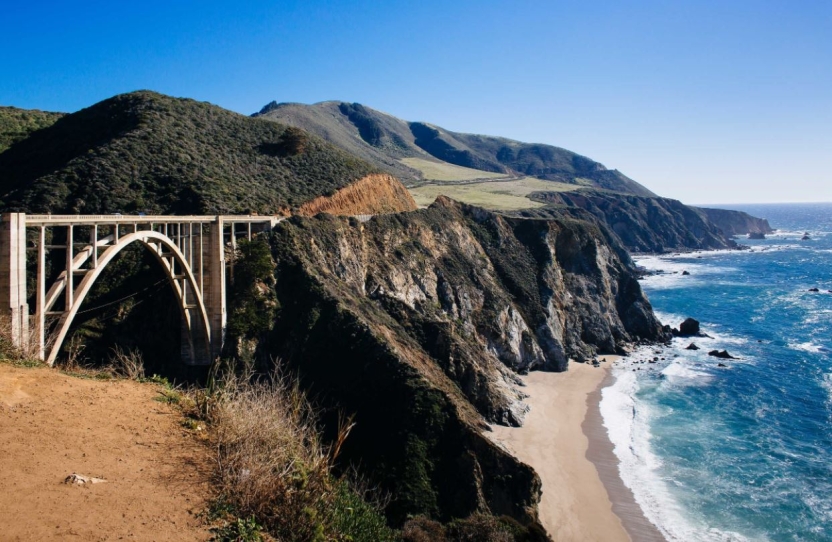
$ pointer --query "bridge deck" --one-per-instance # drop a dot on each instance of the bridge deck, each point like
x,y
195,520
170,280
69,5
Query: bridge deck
x,y
66,220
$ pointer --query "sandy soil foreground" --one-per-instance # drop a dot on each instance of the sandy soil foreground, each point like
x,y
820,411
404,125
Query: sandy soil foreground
x,y
53,425
575,505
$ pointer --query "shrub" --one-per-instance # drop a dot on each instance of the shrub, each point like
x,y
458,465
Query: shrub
x,y
127,363
475,528
274,467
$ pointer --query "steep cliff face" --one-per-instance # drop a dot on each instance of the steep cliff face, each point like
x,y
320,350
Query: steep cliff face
x,y
373,194
418,323
736,222
642,224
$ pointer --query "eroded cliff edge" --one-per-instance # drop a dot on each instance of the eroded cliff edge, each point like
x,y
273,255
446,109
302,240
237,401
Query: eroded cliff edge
x,y
651,224
418,322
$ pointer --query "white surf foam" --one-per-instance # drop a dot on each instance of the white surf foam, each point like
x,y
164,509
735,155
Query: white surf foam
x,y
628,423
682,371
810,347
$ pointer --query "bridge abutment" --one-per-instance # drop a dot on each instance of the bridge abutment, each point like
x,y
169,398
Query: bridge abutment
x,y
14,310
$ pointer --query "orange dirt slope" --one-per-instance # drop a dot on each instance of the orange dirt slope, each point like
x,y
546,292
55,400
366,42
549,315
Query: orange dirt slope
x,y
53,425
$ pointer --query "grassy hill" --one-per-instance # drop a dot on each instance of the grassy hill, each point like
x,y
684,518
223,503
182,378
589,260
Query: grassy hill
x,y
148,152
17,124
416,151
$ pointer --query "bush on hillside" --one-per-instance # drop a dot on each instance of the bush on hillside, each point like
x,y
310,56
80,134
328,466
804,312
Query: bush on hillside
x,y
274,467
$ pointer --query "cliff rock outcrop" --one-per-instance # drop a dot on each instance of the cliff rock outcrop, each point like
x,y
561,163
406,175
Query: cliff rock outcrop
x,y
418,323
642,224
737,222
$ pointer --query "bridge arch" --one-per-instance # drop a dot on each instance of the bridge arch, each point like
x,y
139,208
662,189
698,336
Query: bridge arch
x,y
180,275
187,246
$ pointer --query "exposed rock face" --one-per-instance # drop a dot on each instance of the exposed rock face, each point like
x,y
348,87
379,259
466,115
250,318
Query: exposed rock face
x,y
689,328
642,224
737,222
373,194
418,323
723,354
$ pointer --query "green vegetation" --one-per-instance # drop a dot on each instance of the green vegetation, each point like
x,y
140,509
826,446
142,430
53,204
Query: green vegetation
x,y
476,528
391,143
17,124
495,195
251,296
145,152
238,530
443,171
275,474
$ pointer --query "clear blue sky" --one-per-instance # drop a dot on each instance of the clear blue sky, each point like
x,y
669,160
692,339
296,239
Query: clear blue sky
x,y
705,101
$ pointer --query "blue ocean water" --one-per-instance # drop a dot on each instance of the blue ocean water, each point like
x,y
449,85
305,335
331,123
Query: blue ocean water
x,y
741,452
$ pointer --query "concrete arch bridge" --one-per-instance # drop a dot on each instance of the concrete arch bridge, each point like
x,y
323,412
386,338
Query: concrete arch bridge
x,y
190,249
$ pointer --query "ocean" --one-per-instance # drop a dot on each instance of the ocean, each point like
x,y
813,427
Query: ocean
x,y
744,451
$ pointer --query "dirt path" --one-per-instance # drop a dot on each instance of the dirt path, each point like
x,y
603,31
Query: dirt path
x,y
53,425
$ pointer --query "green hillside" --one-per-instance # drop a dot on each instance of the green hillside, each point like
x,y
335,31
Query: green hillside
x,y
17,124
146,152
392,144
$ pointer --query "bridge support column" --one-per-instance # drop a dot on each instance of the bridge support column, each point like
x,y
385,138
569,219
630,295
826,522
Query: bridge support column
x,y
13,306
214,285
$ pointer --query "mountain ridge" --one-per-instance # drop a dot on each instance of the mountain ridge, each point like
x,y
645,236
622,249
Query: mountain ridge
x,y
147,152
385,139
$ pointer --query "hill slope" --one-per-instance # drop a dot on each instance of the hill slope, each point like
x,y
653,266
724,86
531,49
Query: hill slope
x,y
148,152
386,141
17,124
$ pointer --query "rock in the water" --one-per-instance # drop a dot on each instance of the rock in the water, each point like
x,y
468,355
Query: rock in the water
x,y
814,290
692,346
756,235
721,354
721,365
685,273
805,237
688,328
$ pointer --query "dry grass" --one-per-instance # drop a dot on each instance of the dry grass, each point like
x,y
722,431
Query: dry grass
x,y
272,464
496,195
128,364
28,352
443,171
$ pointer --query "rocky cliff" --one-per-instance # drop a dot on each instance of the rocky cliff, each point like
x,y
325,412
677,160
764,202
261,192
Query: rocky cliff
x,y
736,222
641,224
418,322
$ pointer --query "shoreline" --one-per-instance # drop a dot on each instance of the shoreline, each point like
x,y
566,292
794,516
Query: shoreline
x,y
600,453
564,440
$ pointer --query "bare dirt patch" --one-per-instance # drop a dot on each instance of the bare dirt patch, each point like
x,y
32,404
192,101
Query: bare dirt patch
x,y
53,425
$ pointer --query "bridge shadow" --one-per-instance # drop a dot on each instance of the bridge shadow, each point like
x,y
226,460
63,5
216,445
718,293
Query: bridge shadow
x,y
132,306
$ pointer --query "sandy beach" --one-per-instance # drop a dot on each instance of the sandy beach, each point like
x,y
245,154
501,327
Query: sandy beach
x,y
576,503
